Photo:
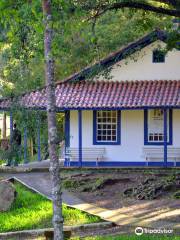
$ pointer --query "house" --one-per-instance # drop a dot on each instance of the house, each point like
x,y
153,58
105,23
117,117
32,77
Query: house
x,y
134,115
129,118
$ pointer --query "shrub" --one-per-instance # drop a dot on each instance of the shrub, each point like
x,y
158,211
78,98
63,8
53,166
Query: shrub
x,y
177,195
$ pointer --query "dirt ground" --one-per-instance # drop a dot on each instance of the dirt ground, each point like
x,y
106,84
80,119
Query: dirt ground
x,y
164,210
111,196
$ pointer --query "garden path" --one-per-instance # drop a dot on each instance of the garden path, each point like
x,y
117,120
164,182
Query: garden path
x,y
125,216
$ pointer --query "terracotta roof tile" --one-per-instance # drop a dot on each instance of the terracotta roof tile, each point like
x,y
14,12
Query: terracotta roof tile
x,y
88,95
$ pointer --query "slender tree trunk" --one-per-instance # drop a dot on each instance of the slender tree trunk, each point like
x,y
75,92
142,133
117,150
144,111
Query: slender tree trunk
x,y
4,126
52,129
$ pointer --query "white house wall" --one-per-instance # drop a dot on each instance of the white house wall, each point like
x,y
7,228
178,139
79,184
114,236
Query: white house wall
x,y
132,135
7,125
139,66
176,128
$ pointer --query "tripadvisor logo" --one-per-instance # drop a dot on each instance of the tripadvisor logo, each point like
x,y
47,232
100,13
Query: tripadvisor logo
x,y
139,231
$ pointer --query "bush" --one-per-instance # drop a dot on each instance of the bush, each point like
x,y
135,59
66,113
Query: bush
x,y
12,153
177,195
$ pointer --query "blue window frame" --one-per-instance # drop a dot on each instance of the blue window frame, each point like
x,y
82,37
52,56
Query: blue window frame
x,y
158,56
154,127
106,127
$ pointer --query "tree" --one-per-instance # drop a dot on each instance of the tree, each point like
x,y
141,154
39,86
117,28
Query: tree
x,y
74,45
52,128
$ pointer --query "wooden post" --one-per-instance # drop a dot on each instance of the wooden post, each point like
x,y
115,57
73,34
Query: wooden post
x,y
11,126
38,138
31,147
25,145
165,137
80,136
4,126
67,135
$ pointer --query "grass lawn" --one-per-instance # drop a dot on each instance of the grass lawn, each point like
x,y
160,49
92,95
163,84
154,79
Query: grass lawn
x,y
131,237
32,211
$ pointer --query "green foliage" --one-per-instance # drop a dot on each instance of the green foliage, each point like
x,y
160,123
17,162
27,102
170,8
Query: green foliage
x,y
29,120
70,184
19,22
32,211
85,185
2,162
177,195
5,155
76,44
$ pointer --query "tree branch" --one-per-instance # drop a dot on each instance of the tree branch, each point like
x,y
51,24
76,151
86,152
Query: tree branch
x,y
137,5
173,3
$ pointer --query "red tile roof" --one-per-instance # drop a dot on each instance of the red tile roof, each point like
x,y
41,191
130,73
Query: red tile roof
x,y
88,94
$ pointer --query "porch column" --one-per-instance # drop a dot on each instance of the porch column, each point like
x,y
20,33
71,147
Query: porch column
x,y
80,136
11,126
165,137
4,126
38,137
67,135
25,144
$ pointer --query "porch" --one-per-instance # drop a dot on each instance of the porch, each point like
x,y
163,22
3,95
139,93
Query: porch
x,y
130,101
133,145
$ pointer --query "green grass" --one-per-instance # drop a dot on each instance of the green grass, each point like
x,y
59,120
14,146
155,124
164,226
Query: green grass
x,y
32,211
132,237
2,162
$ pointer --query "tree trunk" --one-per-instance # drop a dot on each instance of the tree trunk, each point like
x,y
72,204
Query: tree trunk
x,y
4,126
52,128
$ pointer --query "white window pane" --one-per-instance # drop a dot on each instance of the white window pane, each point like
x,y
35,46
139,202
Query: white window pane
x,y
156,125
106,126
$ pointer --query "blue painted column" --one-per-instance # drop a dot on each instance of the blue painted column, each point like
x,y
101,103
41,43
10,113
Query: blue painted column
x,y
80,136
165,137
11,126
38,137
25,145
67,135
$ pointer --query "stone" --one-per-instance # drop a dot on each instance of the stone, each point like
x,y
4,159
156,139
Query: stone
x,y
49,235
7,195
128,192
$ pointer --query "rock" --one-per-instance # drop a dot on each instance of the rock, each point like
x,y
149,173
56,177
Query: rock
x,y
128,192
152,188
168,186
81,175
178,177
7,195
148,180
49,235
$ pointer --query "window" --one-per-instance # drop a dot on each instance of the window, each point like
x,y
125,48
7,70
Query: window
x,y
158,56
154,127
106,127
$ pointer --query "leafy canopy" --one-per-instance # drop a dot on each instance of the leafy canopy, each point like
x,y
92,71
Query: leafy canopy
x,y
78,42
